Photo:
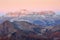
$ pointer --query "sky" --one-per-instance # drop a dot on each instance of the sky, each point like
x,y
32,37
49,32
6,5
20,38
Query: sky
x,y
17,5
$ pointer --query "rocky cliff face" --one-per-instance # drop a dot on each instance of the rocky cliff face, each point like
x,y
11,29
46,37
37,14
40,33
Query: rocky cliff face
x,y
22,30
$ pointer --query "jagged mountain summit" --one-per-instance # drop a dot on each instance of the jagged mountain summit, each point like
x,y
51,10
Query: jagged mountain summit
x,y
45,18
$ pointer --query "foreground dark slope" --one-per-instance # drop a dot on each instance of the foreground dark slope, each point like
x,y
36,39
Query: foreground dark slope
x,y
27,31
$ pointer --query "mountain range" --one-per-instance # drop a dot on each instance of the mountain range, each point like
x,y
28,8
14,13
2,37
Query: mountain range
x,y
30,27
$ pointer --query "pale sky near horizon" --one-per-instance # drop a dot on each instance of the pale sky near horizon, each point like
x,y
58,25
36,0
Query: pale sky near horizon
x,y
16,5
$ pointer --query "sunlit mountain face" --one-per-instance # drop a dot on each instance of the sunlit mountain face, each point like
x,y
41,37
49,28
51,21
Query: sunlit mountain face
x,y
27,25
